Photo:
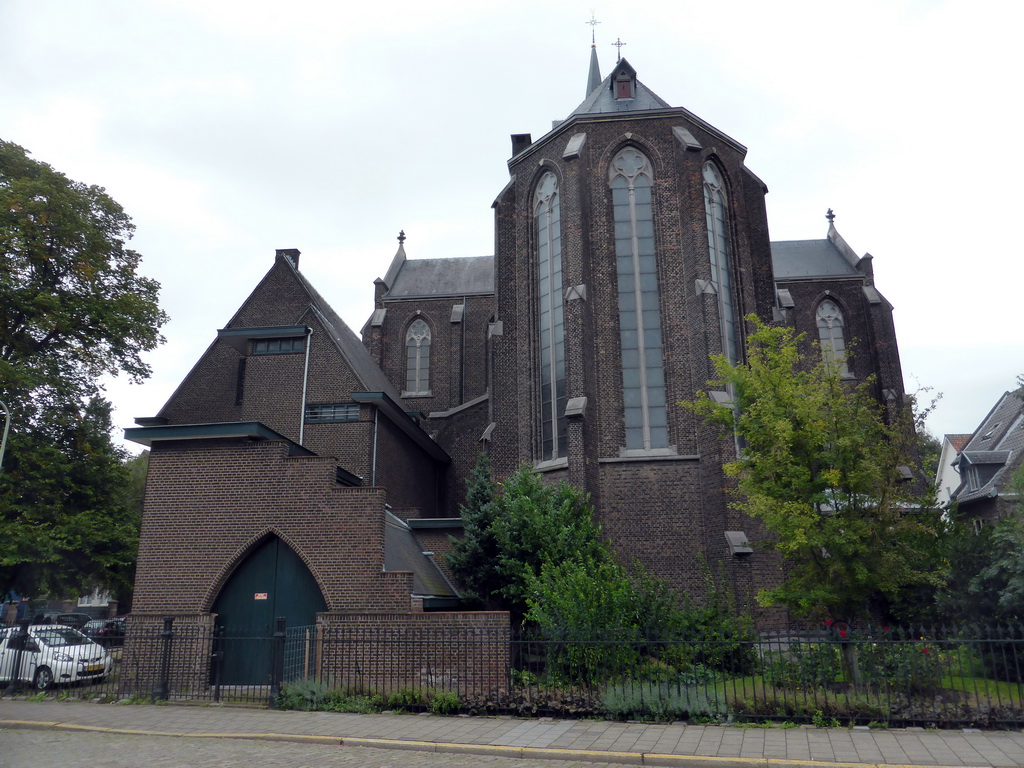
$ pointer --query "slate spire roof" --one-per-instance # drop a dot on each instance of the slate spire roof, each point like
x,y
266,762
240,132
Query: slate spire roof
x,y
594,76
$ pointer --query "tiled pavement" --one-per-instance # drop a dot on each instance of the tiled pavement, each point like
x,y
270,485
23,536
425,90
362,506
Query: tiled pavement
x,y
579,740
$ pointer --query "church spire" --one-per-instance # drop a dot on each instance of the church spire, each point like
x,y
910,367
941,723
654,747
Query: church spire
x,y
594,76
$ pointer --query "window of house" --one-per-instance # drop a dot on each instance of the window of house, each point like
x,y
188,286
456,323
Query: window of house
x,y
830,335
550,318
643,377
332,412
721,268
281,346
417,360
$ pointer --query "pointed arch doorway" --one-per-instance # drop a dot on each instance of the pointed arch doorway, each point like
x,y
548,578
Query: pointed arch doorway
x,y
271,581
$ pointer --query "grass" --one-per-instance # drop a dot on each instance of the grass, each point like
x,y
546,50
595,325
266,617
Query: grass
x,y
982,690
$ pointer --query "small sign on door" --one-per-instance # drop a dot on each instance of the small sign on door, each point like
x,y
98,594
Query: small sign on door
x,y
260,596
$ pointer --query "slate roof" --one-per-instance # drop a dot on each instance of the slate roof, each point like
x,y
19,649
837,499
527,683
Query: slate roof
x,y
601,99
998,441
403,553
427,278
356,355
803,259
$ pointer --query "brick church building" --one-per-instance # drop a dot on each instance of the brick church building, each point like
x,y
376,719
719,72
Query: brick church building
x,y
302,471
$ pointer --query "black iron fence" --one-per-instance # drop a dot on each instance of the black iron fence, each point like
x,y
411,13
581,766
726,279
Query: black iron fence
x,y
887,676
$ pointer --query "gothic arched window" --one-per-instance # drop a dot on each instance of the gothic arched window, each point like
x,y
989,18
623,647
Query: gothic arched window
x,y
417,359
643,376
830,335
551,319
721,268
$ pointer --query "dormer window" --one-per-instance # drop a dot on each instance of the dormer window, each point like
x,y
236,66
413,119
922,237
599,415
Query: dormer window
x,y
624,81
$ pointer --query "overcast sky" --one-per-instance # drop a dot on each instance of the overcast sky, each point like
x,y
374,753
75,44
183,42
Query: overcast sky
x,y
228,129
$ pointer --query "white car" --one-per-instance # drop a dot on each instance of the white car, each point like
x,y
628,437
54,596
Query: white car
x,y
53,655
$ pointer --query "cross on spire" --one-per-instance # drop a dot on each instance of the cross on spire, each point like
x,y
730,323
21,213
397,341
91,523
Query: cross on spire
x,y
618,44
593,23
401,237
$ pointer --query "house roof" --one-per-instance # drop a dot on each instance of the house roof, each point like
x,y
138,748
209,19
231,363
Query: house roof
x,y
348,344
998,442
1003,427
602,99
254,430
403,553
958,441
802,259
432,278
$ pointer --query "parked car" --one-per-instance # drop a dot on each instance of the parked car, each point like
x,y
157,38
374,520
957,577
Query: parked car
x,y
73,620
106,632
52,655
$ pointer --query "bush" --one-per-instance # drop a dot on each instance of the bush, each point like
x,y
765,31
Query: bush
x,y
911,666
305,695
405,698
660,701
444,702
803,665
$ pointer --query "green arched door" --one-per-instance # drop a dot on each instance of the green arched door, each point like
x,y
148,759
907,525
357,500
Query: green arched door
x,y
272,581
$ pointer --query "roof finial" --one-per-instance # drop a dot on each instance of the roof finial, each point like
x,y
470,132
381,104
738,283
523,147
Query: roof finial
x,y
618,44
401,237
593,23
594,75
830,216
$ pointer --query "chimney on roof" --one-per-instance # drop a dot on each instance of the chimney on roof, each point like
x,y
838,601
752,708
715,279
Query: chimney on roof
x,y
292,254
520,141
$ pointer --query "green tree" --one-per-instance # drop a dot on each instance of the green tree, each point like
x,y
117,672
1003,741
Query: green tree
x,y
1000,580
820,466
73,309
68,523
474,557
536,524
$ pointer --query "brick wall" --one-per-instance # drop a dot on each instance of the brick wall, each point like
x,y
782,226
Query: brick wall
x,y
467,653
209,503
663,512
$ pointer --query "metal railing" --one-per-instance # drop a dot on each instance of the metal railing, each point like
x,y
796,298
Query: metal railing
x,y
898,676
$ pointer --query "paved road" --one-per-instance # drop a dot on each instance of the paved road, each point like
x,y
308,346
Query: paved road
x,y
112,750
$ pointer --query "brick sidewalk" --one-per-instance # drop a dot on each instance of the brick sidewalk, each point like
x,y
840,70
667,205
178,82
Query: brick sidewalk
x,y
586,740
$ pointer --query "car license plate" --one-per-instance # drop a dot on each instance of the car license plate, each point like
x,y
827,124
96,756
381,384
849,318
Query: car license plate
x,y
92,668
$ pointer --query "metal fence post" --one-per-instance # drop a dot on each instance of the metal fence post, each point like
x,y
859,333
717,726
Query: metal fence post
x,y
216,660
22,637
277,668
162,689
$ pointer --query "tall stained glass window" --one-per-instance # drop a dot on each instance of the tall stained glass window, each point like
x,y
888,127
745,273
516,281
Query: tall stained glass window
x,y
830,335
643,376
721,268
551,319
417,359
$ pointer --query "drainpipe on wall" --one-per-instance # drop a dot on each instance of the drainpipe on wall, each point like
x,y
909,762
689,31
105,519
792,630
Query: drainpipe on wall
x,y
373,466
305,382
462,354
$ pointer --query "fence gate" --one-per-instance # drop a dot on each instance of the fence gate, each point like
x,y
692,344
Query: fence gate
x,y
272,581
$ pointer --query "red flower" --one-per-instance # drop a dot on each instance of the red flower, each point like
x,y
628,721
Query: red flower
x,y
885,629
828,622
842,633
926,650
